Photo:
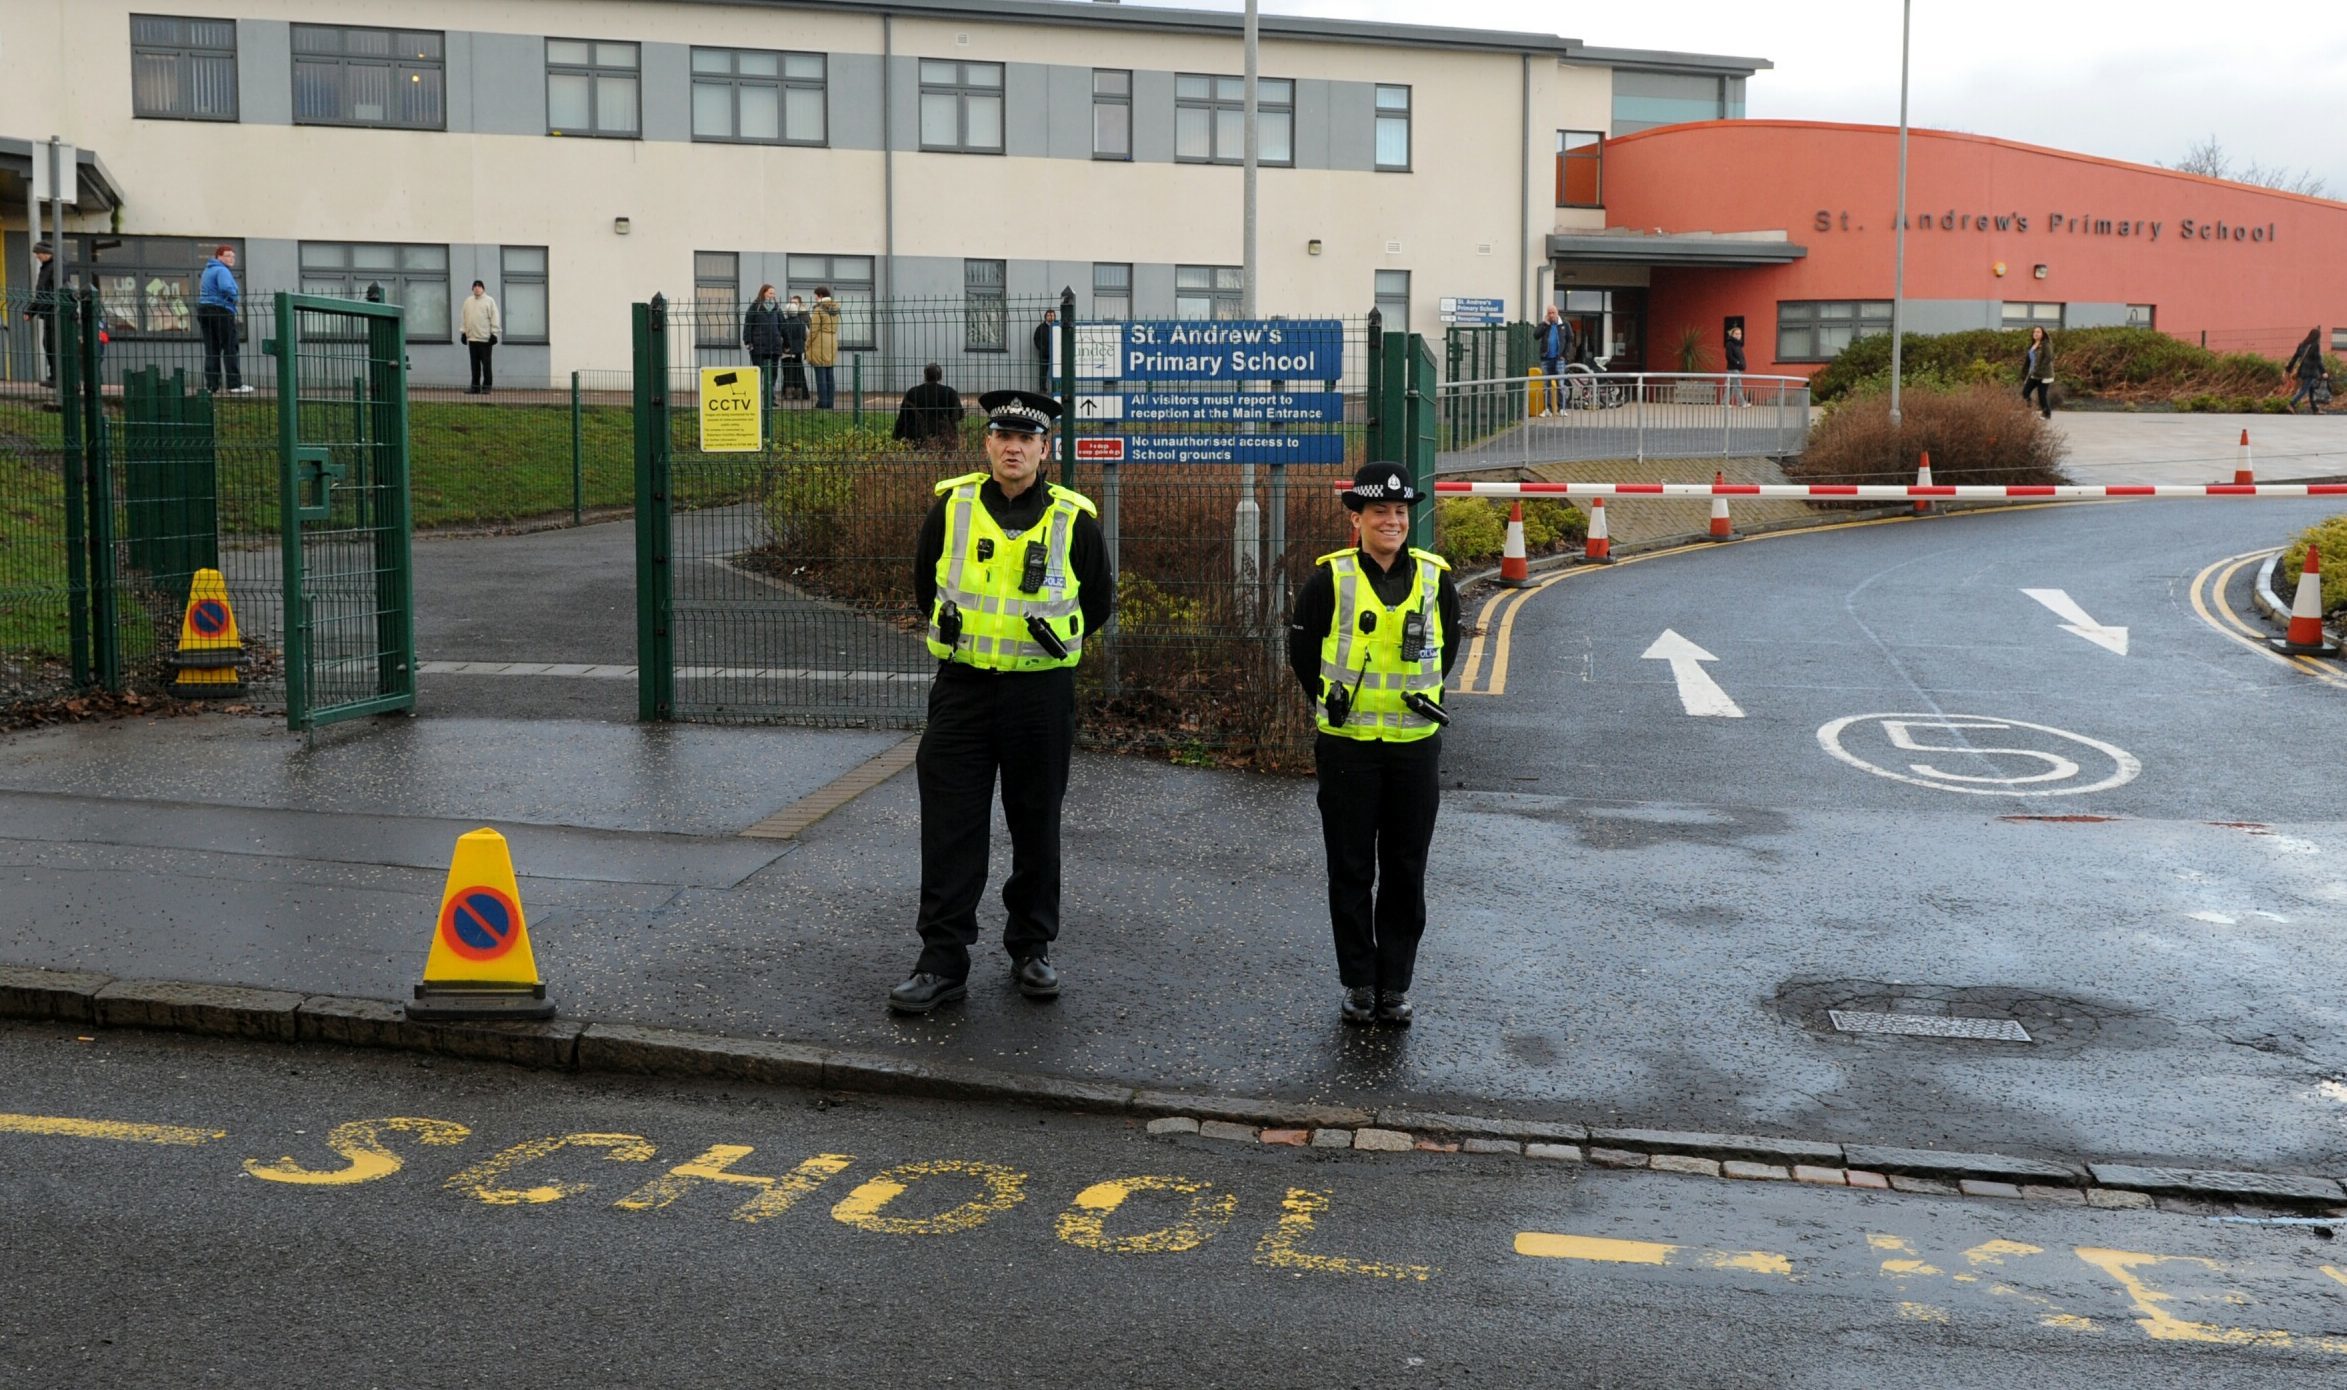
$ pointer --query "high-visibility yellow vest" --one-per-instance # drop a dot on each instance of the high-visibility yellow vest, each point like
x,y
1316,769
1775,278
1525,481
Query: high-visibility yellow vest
x,y
1370,664
988,586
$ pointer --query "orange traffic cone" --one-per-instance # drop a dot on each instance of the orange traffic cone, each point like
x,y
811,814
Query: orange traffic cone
x,y
2305,637
1599,550
2245,473
1515,570
1923,479
1720,529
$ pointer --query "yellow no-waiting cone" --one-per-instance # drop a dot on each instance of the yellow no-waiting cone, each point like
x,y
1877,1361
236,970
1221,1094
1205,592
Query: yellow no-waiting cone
x,y
480,965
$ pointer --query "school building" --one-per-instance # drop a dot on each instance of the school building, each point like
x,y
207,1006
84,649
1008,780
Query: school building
x,y
579,154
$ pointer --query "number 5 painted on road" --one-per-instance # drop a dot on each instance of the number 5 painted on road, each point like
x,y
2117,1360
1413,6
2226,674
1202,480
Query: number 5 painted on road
x,y
2061,769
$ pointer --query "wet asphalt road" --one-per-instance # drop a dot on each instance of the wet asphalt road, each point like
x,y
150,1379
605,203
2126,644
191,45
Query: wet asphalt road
x,y
1640,917
285,1230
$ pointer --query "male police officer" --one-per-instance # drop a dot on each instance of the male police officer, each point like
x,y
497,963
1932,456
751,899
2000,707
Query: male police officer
x,y
1373,638
1013,575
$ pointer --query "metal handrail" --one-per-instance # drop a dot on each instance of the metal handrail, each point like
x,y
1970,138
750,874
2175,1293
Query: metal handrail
x,y
1513,420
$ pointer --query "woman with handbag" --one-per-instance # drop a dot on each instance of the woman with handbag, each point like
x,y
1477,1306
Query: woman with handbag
x,y
2314,379
2037,370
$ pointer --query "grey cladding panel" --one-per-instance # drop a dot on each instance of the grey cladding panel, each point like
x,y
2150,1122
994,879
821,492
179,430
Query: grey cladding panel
x,y
1068,112
854,98
458,81
1153,116
1350,123
508,85
264,72
1026,114
667,88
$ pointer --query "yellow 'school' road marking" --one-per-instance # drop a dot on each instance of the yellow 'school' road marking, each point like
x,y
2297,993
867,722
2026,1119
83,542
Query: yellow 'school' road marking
x,y
1544,1245
2208,602
361,1143
2163,1326
65,1127
1505,605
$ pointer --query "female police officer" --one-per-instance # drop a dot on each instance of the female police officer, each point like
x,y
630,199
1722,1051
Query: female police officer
x,y
1013,575
1371,642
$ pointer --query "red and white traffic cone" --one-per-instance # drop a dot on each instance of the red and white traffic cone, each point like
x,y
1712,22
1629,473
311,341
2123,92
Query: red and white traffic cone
x,y
1515,571
1599,550
2244,472
2305,637
1923,479
1720,529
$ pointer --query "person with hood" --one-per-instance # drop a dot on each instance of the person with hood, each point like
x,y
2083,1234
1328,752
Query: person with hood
x,y
823,343
2314,379
762,337
794,350
43,310
217,297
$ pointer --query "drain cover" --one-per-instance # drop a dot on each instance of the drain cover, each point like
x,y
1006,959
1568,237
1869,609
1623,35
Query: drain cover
x,y
1928,1026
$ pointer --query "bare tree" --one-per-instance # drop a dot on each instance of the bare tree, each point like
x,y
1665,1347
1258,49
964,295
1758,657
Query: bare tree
x,y
2208,157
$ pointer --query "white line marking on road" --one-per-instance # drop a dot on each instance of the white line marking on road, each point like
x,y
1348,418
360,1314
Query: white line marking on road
x,y
2110,639
1899,730
1699,694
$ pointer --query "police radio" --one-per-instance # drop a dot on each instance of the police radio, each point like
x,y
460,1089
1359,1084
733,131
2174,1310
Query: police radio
x,y
1414,635
949,623
1031,579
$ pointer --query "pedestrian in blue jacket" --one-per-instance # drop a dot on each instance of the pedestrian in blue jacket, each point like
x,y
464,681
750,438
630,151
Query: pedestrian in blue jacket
x,y
216,301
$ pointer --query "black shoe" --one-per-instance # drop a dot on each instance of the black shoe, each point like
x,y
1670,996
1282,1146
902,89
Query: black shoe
x,y
1036,978
924,992
1393,1007
1360,1005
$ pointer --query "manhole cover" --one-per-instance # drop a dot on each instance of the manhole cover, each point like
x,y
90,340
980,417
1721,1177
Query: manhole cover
x,y
1928,1026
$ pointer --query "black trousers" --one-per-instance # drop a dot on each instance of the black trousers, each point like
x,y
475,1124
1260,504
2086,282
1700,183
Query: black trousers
x,y
1018,726
484,375
769,367
219,329
2044,390
1377,806
48,323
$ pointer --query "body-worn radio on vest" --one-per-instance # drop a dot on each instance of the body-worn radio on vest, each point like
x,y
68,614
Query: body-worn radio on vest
x,y
1031,578
949,623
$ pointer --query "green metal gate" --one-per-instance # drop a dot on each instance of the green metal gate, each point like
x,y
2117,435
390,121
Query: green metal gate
x,y
342,444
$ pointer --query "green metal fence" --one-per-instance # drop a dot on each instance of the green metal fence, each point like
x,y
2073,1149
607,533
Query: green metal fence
x,y
776,585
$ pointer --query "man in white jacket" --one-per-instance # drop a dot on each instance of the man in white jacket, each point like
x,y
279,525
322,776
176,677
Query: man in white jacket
x,y
481,329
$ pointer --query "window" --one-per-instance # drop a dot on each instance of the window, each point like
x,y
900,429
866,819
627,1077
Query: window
x,y
2142,315
1112,290
1646,99
1580,169
372,77
521,278
961,106
2047,316
1814,330
717,295
1393,300
415,277
1393,128
983,308
591,88
2339,340
1210,119
183,69
1207,291
850,279
147,285
1112,114
760,98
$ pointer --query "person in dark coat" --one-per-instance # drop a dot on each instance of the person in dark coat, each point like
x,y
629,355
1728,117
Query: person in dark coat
x,y
762,337
2037,370
1044,333
1735,390
43,309
931,413
2306,364
794,350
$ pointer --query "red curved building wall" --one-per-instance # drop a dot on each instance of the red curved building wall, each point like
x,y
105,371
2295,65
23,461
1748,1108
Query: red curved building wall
x,y
2250,267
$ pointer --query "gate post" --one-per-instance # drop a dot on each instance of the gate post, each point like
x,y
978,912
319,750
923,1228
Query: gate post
x,y
384,454
72,468
105,592
655,636
1418,440
1373,404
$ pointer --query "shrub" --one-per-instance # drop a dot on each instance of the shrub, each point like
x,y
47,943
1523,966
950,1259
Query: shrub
x,y
1474,530
2117,364
2331,536
1974,434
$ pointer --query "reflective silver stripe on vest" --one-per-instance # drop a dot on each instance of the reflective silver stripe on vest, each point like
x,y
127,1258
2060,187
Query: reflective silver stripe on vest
x,y
1347,574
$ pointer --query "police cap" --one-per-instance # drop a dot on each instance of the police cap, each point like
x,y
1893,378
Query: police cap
x,y
1019,412
1381,482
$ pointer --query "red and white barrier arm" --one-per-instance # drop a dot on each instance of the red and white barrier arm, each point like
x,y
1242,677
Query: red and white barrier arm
x,y
1890,492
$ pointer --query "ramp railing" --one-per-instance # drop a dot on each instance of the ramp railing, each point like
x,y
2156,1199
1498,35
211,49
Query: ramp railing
x,y
1584,416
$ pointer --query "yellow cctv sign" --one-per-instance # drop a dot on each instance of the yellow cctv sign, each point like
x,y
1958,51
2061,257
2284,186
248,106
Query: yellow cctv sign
x,y
730,406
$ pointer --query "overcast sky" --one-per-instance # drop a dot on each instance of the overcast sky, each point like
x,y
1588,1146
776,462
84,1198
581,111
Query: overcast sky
x,y
2141,80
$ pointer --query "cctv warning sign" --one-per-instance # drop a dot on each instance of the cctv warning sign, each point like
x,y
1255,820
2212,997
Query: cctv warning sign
x,y
730,407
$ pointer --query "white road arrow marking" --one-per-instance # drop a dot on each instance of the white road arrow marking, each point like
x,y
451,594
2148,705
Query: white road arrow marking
x,y
2112,639
1698,692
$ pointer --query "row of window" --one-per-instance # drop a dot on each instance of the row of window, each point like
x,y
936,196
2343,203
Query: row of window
x,y
343,75
1816,330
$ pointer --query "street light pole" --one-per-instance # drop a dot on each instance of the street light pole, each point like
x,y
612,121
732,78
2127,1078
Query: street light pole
x,y
1899,257
1246,523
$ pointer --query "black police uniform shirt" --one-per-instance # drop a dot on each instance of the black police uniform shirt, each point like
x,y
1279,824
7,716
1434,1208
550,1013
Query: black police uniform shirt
x,y
1087,552
1316,608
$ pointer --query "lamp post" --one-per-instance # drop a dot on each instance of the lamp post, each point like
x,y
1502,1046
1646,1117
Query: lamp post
x,y
1246,523
1899,256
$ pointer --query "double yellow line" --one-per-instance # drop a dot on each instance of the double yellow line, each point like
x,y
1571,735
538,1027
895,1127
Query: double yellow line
x,y
2208,600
